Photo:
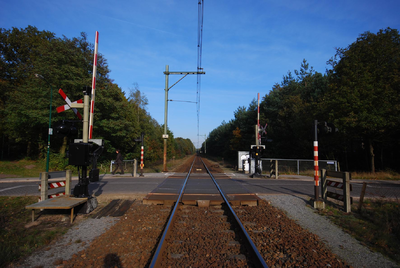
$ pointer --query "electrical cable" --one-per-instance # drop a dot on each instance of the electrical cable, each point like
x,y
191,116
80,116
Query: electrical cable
x,y
199,61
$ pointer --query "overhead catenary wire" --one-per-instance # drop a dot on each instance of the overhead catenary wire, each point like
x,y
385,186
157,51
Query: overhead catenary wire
x,y
199,61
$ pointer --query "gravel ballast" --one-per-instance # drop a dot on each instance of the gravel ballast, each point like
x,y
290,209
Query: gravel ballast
x,y
92,239
76,239
341,243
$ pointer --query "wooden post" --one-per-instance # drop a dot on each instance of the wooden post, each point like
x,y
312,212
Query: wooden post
x,y
68,176
44,178
276,169
72,215
346,192
364,188
134,167
271,168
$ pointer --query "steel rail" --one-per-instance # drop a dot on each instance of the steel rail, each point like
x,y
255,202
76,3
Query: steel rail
x,y
259,258
156,261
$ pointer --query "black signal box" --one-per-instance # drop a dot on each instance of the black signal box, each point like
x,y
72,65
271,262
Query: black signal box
x,y
79,154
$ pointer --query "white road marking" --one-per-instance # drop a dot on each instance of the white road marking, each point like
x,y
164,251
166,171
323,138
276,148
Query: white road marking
x,y
6,189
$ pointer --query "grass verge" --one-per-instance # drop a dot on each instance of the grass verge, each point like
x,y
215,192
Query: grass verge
x,y
379,175
17,239
376,226
22,168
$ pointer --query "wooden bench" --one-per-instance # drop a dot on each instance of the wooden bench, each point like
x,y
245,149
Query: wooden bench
x,y
63,202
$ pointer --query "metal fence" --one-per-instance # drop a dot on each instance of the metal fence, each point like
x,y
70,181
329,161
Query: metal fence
x,y
130,166
297,165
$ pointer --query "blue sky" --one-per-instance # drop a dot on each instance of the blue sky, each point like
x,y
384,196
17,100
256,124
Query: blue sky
x,y
248,46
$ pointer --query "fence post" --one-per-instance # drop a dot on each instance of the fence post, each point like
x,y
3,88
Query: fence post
x,y
364,188
68,177
276,169
134,167
346,190
44,178
324,187
271,168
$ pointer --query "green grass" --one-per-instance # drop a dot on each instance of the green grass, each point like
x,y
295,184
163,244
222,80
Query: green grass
x,y
22,168
16,241
377,225
380,175
32,168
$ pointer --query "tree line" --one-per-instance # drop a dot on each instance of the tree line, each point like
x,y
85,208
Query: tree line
x,y
359,94
65,63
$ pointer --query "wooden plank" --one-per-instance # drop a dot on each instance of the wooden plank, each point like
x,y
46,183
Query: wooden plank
x,y
106,210
125,205
335,174
336,196
62,202
57,174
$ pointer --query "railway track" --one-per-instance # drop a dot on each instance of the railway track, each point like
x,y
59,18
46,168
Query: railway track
x,y
201,236
187,241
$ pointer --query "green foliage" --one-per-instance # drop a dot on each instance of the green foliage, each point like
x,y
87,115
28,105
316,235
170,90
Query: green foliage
x,y
67,64
364,91
360,95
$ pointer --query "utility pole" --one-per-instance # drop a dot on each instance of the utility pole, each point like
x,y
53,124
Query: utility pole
x,y
167,88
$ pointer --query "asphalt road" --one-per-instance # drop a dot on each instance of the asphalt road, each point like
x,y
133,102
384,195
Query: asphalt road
x,y
108,184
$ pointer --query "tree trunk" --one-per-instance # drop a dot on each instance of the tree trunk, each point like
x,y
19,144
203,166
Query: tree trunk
x,y
41,147
64,146
28,149
371,152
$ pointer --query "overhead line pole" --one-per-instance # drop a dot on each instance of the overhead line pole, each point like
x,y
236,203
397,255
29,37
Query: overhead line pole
x,y
167,88
205,143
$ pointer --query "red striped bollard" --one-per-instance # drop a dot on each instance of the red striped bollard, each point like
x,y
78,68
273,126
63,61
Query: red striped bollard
x,y
316,170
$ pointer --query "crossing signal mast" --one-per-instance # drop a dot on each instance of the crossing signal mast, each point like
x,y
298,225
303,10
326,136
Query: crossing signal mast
x,y
257,150
83,152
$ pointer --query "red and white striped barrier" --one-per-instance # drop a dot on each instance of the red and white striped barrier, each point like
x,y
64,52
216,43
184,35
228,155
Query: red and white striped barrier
x,y
53,185
68,105
44,180
96,45
53,196
344,186
334,184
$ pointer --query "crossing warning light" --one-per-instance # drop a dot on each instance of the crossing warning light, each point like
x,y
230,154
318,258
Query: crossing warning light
x,y
66,128
325,128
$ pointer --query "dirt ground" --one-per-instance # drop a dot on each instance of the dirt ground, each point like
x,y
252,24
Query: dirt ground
x,y
212,166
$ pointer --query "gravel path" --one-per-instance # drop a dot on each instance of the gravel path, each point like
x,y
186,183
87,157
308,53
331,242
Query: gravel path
x,y
76,239
341,243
